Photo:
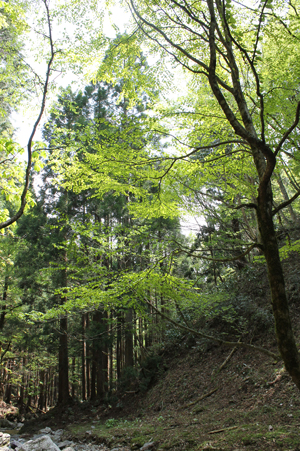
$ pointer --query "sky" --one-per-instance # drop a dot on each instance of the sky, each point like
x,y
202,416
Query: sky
x,y
24,119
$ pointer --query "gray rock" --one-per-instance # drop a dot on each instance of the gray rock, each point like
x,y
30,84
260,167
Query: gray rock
x,y
58,432
65,444
16,444
46,431
19,425
43,443
147,446
69,449
4,439
56,435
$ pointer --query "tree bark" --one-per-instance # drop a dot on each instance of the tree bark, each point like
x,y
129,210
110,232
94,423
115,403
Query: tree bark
x,y
286,197
83,359
63,371
128,338
283,326
41,400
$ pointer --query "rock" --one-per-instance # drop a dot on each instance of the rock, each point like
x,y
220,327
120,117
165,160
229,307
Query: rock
x,y
43,443
58,432
16,444
69,449
65,444
147,446
4,439
46,431
19,425
4,423
56,436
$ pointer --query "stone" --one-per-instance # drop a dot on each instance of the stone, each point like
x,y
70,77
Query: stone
x,y
69,449
46,430
4,439
57,436
43,443
16,444
147,446
65,444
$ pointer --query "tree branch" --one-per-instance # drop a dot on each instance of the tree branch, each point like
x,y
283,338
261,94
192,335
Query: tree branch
x,y
286,203
210,337
289,131
19,213
219,260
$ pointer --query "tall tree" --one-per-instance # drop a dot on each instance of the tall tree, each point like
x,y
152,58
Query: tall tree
x,y
222,45
228,114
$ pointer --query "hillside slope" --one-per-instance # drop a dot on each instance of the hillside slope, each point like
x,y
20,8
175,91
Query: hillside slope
x,y
204,395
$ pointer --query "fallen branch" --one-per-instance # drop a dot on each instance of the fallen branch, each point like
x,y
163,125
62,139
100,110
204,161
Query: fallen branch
x,y
200,399
222,430
210,337
227,358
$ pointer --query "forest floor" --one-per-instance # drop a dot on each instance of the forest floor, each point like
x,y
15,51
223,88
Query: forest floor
x,y
251,404
195,402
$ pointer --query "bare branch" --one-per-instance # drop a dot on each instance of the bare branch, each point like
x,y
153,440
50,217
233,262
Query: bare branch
x,y
286,203
220,260
19,213
231,344
289,131
174,45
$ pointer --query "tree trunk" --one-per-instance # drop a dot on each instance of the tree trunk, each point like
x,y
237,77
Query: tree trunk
x,y
284,332
286,197
83,358
119,345
63,371
128,338
4,299
41,400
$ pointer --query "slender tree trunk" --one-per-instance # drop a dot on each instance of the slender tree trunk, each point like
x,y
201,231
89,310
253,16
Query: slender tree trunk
x,y
46,400
63,372
4,299
286,197
83,359
119,345
41,400
73,377
87,360
111,353
128,338
93,372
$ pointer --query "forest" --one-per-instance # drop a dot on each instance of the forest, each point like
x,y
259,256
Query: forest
x,y
160,175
